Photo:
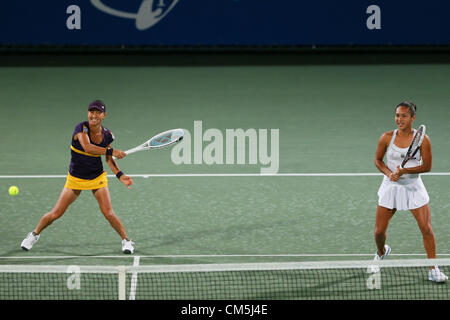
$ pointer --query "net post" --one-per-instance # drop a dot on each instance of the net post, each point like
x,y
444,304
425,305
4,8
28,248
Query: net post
x,y
122,280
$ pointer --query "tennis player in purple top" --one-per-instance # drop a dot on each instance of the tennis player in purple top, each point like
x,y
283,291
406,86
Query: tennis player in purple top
x,y
90,140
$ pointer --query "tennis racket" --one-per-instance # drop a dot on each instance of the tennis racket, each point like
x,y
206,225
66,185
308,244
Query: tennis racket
x,y
415,144
161,140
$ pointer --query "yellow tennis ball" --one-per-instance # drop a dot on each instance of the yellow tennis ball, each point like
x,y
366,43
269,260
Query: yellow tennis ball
x,y
13,190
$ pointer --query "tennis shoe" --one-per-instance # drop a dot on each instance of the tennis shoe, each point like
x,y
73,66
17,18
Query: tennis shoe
x,y
436,275
29,241
375,268
127,246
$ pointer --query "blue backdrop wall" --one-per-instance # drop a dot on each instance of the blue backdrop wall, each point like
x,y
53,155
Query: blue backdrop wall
x,y
225,22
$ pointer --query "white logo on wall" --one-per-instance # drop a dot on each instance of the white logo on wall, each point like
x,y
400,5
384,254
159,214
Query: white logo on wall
x,y
147,15
374,20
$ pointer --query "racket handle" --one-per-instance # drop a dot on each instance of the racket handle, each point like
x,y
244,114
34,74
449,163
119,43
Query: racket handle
x,y
131,151
139,148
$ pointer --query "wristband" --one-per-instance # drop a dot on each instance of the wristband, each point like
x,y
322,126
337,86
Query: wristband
x,y
119,174
109,151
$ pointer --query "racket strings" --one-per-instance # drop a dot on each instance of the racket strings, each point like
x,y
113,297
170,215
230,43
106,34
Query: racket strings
x,y
415,142
417,138
415,145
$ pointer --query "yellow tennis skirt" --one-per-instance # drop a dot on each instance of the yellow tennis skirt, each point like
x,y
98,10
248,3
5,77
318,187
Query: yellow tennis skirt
x,y
83,184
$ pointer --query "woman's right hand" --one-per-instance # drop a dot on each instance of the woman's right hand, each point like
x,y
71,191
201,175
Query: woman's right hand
x,y
393,176
119,154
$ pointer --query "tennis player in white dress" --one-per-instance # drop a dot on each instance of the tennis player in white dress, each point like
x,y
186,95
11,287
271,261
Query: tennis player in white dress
x,y
402,188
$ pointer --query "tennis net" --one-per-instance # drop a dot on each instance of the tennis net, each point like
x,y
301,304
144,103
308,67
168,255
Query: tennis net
x,y
336,280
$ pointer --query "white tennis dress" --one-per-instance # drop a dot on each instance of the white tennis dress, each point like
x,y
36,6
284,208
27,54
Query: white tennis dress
x,y
409,191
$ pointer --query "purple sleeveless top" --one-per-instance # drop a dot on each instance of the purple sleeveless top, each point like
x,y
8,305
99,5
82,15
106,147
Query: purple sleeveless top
x,y
83,165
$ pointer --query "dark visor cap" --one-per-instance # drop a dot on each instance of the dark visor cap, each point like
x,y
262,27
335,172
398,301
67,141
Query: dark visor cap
x,y
97,105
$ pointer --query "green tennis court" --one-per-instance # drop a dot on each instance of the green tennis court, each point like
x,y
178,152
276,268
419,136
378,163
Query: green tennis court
x,y
320,204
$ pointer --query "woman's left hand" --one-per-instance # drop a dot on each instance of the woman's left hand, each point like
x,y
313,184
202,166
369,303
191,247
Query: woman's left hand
x,y
126,180
399,172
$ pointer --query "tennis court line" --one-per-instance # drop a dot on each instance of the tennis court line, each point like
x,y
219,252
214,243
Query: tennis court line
x,y
134,279
222,256
190,175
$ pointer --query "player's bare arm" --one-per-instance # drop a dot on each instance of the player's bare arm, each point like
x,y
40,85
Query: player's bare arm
x,y
112,164
382,146
93,149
